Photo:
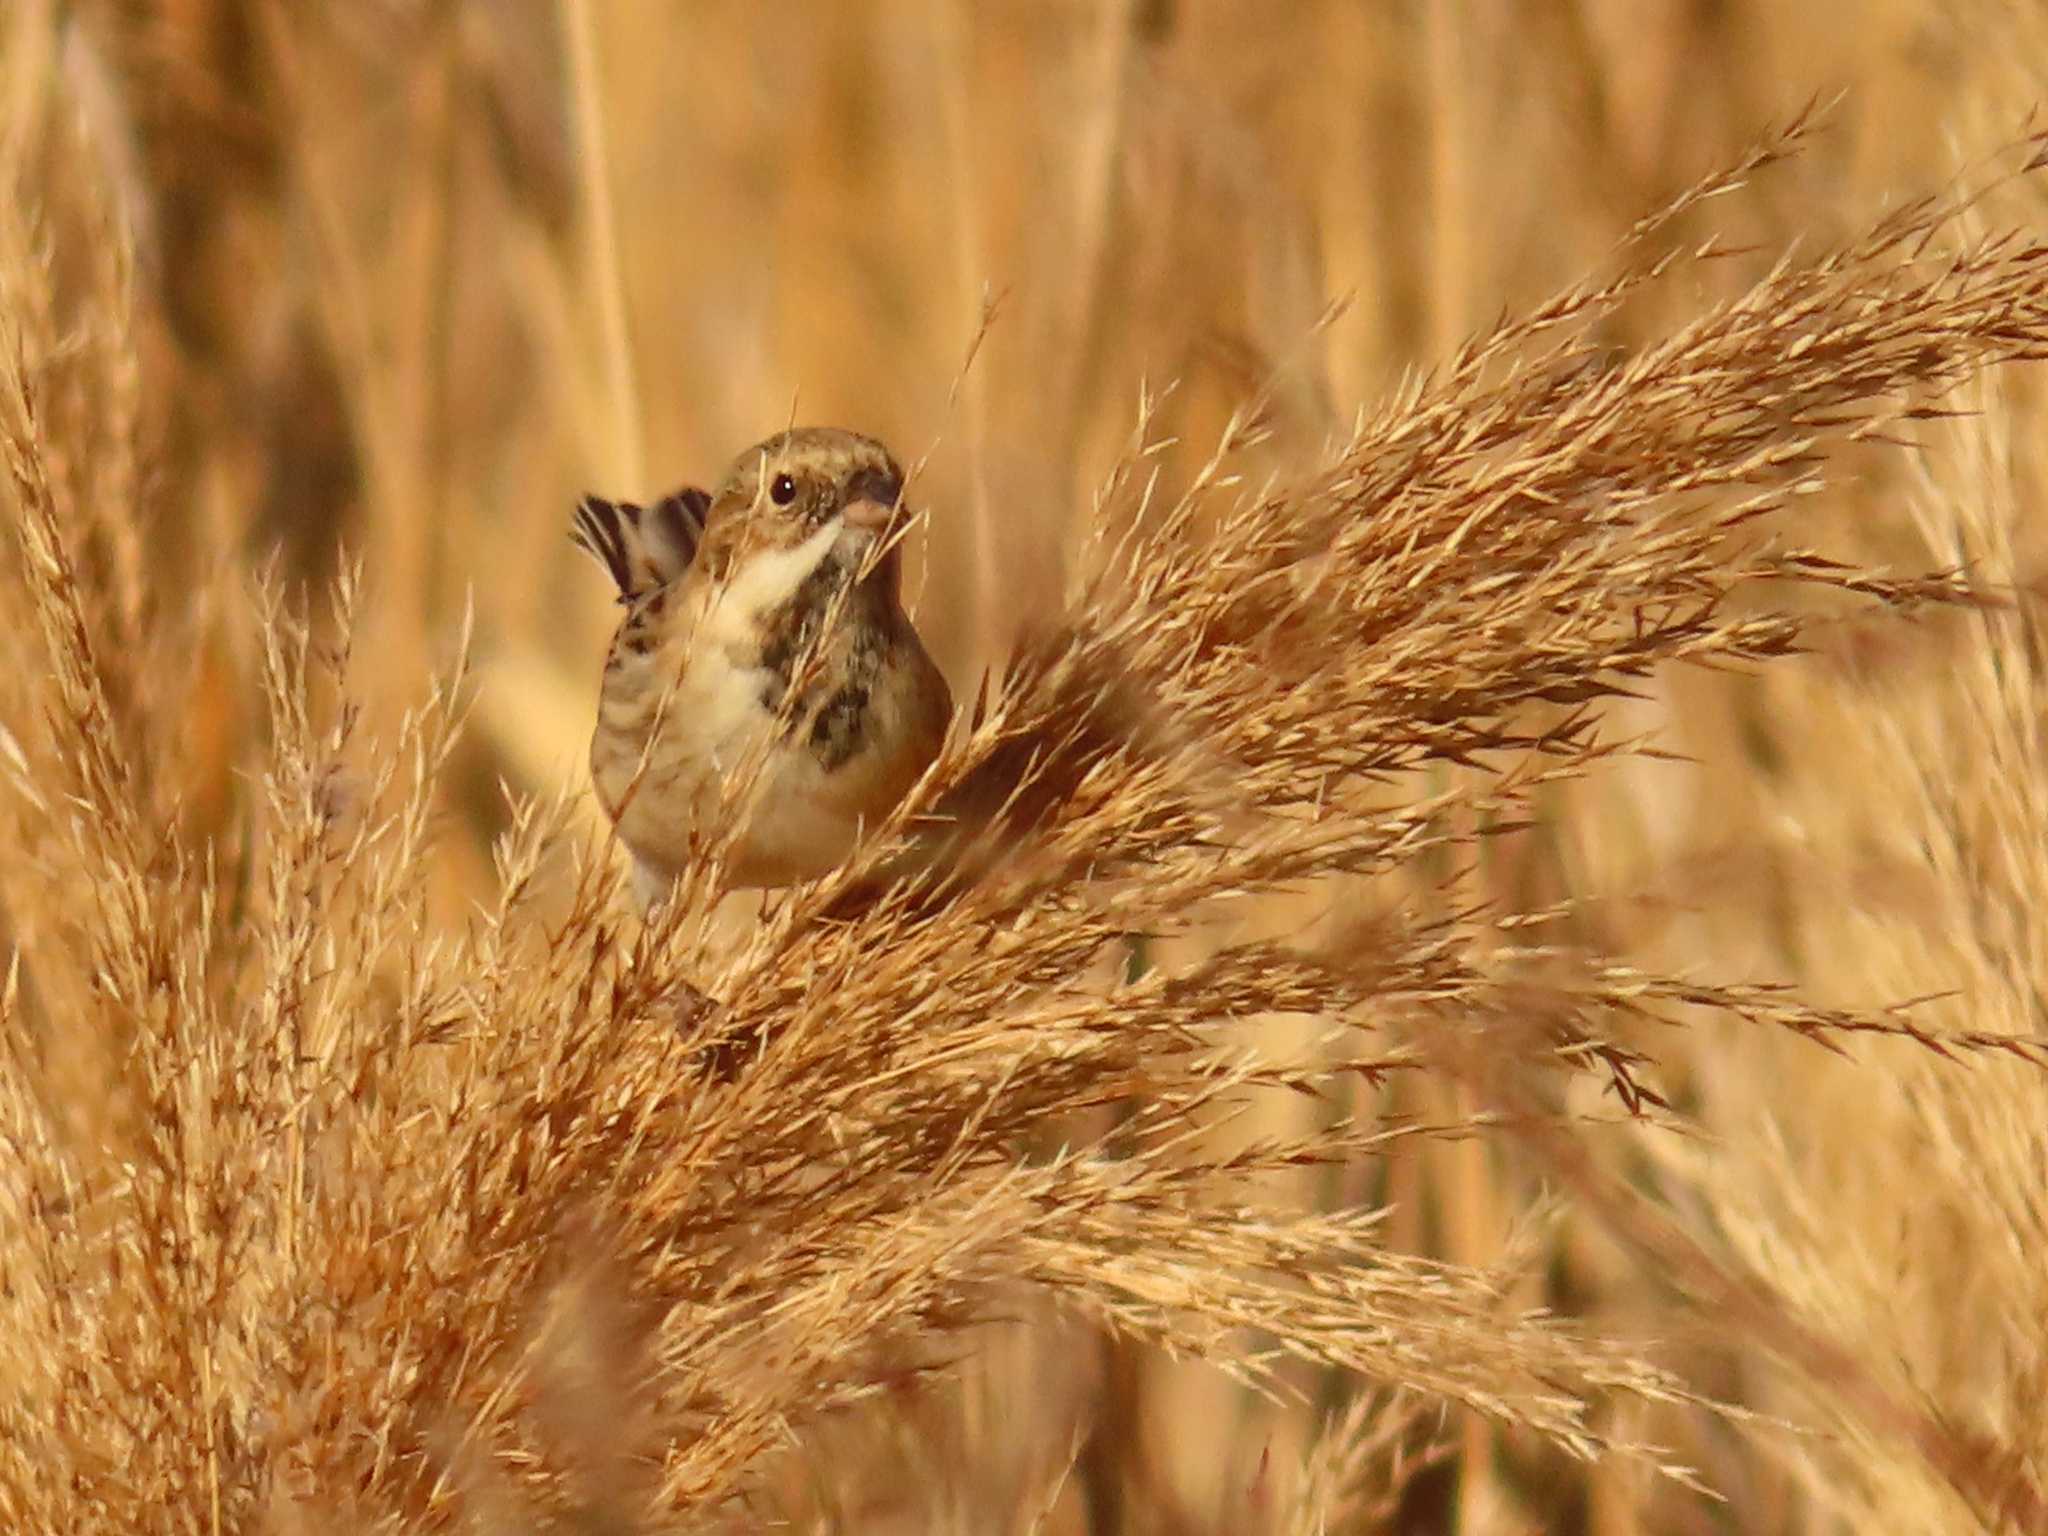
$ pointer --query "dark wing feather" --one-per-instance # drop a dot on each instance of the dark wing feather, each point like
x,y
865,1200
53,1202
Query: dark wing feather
x,y
598,530
642,547
674,526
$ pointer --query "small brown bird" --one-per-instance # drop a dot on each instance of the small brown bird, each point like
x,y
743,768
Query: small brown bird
x,y
725,652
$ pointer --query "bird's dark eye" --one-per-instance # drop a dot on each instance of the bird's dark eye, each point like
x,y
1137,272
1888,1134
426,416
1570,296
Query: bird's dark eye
x,y
783,491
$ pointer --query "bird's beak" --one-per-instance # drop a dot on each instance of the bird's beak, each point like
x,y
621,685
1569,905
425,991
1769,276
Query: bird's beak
x,y
868,514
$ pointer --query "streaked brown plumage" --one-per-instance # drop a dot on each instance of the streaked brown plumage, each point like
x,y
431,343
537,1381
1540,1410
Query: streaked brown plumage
x,y
727,597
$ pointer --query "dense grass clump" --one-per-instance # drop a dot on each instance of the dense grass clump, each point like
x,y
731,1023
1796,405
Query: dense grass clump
x,y
1304,1058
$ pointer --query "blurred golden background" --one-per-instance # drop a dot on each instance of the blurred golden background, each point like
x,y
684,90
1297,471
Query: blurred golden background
x,y
411,292
407,277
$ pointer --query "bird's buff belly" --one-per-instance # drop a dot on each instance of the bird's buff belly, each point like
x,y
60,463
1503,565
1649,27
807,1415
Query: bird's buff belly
x,y
718,759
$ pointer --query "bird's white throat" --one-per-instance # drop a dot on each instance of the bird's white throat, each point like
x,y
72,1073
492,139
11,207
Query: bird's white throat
x,y
766,578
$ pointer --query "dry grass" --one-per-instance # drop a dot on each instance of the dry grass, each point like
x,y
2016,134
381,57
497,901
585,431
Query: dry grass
x,y
1304,1059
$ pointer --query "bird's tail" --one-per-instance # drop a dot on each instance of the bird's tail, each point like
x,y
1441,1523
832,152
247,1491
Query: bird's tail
x,y
642,547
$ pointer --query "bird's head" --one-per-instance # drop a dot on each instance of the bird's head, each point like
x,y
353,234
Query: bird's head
x,y
784,494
